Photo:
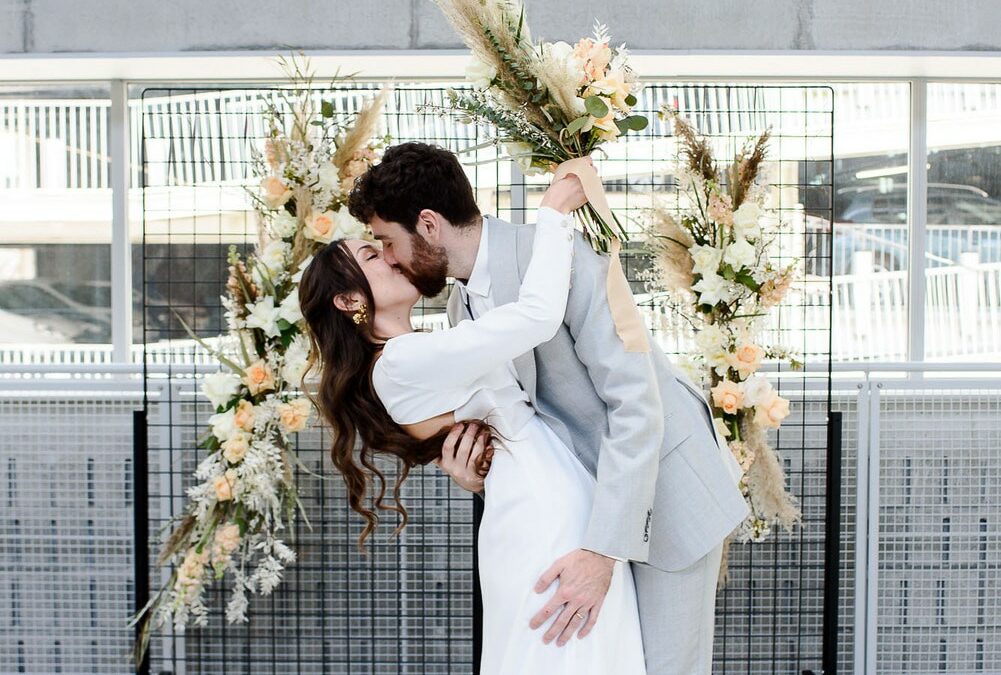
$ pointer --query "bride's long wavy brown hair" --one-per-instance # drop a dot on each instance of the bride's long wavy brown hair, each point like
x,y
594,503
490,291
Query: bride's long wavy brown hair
x,y
345,353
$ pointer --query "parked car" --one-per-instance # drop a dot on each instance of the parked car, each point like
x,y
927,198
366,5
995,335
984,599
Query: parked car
x,y
61,311
960,218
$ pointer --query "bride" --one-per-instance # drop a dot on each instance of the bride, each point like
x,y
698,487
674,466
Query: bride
x,y
394,391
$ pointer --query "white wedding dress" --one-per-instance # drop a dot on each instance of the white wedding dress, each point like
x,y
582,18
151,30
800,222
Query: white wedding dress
x,y
537,493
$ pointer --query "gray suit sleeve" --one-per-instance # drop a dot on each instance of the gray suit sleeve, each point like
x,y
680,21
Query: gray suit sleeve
x,y
629,455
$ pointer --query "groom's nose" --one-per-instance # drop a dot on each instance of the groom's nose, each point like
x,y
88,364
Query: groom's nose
x,y
390,259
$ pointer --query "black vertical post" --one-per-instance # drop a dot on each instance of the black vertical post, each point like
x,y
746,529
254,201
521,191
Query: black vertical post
x,y
477,597
832,545
140,515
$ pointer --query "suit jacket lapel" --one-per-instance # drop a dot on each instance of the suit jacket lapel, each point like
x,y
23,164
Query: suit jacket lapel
x,y
506,271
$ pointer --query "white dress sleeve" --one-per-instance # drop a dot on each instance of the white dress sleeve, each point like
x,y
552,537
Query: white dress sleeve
x,y
459,355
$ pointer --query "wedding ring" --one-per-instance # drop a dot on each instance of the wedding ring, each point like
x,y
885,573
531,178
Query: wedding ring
x,y
579,615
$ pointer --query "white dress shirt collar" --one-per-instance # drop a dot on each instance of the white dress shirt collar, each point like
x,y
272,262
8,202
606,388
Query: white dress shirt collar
x,y
479,278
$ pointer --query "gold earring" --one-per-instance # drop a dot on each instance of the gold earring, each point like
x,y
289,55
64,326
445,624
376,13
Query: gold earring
x,y
361,316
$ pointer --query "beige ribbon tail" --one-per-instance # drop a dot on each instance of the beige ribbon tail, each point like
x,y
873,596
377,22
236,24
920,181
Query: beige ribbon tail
x,y
625,314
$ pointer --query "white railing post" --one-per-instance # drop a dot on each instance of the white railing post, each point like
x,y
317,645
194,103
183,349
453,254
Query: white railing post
x,y
969,294
917,206
121,247
862,293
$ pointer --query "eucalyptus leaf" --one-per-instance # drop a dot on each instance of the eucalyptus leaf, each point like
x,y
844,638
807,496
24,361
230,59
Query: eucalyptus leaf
x,y
636,122
595,106
577,124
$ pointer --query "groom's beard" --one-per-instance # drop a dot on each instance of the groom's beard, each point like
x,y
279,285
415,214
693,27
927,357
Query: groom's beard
x,y
428,270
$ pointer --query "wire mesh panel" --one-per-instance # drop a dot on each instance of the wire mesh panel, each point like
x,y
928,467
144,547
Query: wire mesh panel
x,y
937,595
770,615
65,529
407,607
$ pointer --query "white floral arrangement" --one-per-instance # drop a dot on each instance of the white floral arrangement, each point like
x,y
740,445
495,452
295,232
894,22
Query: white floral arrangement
x,y
245,499
713,264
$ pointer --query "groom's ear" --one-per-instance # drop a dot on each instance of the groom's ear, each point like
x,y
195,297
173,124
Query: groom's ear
x,y
429,225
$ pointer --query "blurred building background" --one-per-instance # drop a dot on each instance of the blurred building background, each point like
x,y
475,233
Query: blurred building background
x,y
104,138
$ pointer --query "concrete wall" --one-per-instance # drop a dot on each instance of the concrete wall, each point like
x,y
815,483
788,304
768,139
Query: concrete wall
x,y
152,26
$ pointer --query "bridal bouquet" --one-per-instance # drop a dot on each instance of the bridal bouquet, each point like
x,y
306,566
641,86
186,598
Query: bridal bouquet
x,y
550,102
553,104
245,497
713,263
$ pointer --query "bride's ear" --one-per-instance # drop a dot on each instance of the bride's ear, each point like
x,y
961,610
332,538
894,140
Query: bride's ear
x,y
348,302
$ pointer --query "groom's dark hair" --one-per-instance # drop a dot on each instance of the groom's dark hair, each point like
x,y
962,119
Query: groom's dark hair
x,y
411,177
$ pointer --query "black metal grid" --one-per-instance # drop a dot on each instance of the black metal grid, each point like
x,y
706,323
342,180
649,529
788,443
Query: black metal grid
x,y
408,607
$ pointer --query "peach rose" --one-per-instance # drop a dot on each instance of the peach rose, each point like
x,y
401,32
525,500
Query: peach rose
x,y
771,411
258,377
276,192
321,227
235,447
243,417
728,396
223,486
294,415
746,359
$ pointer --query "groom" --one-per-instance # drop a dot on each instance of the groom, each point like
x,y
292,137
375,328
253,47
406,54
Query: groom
x,y
665,497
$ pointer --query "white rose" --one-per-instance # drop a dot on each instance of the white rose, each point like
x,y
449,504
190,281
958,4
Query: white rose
x,y
712,289
220,387
756,388
295,359
329,178
563,52
223,425
480,73
521,153
348,227
705,259
264,315
745,220
739,254
712,342
284,224
274,256
289,309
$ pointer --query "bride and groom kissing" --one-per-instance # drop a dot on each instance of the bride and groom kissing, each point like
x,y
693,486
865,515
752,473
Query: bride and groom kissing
x,y
607,495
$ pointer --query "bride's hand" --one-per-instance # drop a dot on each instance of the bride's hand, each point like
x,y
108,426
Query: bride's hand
x,y
461,451
566,194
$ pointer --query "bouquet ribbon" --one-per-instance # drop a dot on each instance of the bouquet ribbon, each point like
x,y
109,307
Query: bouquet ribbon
x,y
626,316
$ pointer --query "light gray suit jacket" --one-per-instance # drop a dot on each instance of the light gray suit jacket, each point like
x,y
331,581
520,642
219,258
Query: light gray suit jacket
x,y
664,495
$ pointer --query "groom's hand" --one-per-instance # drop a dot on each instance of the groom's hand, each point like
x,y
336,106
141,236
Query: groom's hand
x,y
584,578
460,451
